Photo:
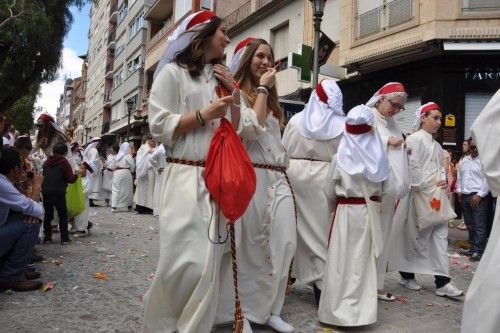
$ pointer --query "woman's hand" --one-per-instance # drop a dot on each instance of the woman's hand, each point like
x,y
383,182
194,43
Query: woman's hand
x,y
217,109
222,73
395,142
268,78
442,184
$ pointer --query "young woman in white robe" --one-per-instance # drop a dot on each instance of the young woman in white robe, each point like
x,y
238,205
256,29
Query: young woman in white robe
x,y
145,178
311,139
92,154
422,251
388,101
122,194
184,112
266,235
82,222
158,163
480,312
107,175
349,295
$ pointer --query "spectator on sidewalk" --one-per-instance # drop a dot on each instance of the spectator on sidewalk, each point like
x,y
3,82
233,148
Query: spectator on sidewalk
x,y
458,205
473,190
57,174
16,240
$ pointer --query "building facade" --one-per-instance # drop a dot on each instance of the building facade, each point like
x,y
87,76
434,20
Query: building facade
x,y
63,111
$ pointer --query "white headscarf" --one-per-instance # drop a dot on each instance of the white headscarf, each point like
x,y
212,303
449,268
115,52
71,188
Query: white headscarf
x,y
323,117
93,143
238,53
181,36
421,111
361,150
124,150
389,90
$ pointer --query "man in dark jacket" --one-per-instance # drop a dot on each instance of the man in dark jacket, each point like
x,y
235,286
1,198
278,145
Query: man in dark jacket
x,y
57,174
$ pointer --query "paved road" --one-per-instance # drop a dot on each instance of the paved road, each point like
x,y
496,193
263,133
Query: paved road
x,y
125,247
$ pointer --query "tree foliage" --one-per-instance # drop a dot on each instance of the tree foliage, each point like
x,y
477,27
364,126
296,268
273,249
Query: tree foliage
x,y
20,114
31,40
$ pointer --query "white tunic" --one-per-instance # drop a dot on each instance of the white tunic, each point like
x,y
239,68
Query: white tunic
x,y
349,295
386,128
93,156
481,302
158,163
308,170
122,194
184,292
107,178
82,219
412,250
145,178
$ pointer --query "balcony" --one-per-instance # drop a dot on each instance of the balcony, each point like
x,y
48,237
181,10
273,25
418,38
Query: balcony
x,y
384,17
112,39
480,6
243,12
113,12
105,127
107,98
109,70
163,31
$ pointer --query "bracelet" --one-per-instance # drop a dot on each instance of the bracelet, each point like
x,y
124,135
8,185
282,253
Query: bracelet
x,y
199,118
261,89
264,87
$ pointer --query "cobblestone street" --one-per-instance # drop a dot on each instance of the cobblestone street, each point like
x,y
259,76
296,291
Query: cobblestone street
x,y
124,247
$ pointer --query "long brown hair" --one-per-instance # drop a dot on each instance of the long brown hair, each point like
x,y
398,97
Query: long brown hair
x,y
192,57
247,84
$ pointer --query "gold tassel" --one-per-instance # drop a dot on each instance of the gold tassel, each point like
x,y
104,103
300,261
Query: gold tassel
x,y
238,326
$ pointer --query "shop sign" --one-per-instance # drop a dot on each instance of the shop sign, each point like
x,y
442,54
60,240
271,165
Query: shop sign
x,y
449,120
482,74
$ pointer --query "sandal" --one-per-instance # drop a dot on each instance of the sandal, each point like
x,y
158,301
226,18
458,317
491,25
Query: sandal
x,y
386,297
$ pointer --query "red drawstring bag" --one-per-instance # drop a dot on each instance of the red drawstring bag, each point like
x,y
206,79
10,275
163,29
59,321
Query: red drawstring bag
x,y
229,174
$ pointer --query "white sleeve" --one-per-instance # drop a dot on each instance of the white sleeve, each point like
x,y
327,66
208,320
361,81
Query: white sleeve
x,y
248,128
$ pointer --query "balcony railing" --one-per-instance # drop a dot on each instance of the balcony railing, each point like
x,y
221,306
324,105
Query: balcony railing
x,y
480,5
165,29
381,18
243,12
111,36
105,127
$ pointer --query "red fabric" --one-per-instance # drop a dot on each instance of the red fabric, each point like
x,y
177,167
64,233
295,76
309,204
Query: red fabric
x,y
391,88
321,93
46,117
242,44
358,129
229,174
428,107
201,17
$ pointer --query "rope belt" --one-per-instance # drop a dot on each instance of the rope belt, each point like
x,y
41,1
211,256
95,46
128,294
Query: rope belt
x,y
355,201
119,169
307,159
185,162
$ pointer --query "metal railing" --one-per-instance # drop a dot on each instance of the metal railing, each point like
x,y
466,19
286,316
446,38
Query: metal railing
x,y
111,36
105,127
386,16
109,67
165,29
238,15
480,5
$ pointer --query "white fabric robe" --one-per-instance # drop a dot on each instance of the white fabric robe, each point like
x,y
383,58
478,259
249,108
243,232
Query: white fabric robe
x,y
93,156
386,128
412,250
145,185
158,163
349,295
107,178
308,170
184,293
480,312
266,233
122,194
82,219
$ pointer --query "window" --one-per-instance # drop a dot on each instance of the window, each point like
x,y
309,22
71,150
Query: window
x,y
122,13
480,5
181,8
474,104
136,25
117,78
375,16
207,4
279,41
134,64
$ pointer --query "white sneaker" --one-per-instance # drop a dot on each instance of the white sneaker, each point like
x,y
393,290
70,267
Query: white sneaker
x,y
114,210
247,328
449,290
279,324
410,284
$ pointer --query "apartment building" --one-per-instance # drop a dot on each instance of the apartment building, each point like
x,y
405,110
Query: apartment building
x,y
63,110
445,51
95,115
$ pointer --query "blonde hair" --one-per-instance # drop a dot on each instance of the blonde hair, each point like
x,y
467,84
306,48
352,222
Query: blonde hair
x,y
247,84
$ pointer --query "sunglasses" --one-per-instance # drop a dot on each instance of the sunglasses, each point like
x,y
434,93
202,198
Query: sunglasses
x,y
396,106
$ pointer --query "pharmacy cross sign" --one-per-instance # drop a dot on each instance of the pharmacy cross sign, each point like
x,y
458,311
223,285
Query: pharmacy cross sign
x,y
302,62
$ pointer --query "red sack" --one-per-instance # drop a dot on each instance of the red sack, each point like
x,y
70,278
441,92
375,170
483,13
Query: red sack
x,y
229,174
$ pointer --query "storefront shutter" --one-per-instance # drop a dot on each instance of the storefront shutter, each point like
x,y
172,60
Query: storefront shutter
x,y
406,118
474,104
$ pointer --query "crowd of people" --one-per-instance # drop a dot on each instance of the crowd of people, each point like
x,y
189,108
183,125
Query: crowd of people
x,y
341,198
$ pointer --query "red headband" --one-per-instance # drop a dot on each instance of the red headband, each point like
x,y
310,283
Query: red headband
x,y
391,88
46,117
201,17
428,107
242,44
321,93
357,129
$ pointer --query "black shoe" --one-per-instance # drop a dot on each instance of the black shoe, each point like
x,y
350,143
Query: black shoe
x,y
475,257
24,285
65,241
36,258
317,293
92,204
89,226
48,241
30,275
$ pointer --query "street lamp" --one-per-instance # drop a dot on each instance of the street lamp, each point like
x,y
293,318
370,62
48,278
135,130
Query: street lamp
x,y
87,130
130,105
318,7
